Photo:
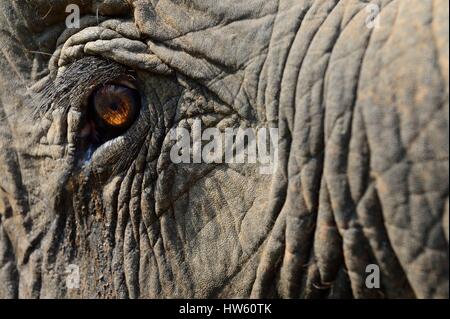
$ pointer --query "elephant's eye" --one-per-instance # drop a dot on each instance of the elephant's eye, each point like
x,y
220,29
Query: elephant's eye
x,y
112,110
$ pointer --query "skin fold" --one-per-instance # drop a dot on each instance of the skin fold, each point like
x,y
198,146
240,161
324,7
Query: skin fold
x,y
362,178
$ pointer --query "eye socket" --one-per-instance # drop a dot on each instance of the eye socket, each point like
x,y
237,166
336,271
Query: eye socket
x,y
113,108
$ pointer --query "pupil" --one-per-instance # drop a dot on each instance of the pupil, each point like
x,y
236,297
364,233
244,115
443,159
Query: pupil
x,y
114,106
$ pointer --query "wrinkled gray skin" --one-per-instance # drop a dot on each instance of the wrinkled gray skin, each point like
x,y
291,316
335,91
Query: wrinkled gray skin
x,y
363,175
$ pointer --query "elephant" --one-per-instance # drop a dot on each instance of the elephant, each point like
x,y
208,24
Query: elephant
x,y
92,204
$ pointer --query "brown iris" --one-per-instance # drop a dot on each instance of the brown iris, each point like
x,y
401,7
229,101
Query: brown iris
x,y
115,104
113,109
115,114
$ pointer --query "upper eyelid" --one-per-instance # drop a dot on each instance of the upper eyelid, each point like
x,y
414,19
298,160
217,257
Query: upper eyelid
x,y
101,39
72,87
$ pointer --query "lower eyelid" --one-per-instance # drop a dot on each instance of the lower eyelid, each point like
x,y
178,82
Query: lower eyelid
x,y
107,158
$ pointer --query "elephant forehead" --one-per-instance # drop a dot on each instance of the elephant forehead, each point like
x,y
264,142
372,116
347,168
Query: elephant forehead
x,y
170,20
168,16
37,16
